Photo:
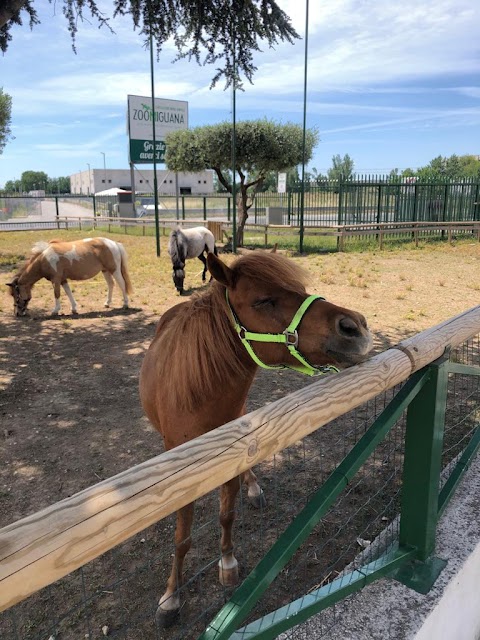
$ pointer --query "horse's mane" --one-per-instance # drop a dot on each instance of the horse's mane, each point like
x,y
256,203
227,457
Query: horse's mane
x,y
199,347
176,247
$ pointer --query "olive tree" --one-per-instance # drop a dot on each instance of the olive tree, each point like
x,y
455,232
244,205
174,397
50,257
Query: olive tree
x,y
219,32
260,146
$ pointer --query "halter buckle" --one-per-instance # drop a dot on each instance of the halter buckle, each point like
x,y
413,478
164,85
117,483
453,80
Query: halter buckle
x,y
291,338
242,332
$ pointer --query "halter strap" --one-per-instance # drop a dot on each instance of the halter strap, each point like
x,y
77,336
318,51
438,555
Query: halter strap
x,y
289,338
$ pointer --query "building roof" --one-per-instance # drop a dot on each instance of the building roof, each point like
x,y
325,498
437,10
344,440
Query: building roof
x,y
113,191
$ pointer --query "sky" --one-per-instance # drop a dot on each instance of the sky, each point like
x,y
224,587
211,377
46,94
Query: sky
x,y
393,84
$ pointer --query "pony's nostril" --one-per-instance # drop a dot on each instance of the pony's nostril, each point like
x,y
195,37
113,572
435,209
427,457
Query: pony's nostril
x,y
348,327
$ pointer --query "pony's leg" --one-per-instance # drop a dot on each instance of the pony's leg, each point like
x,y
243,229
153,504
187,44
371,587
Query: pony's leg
x,y
68,291
56,294
169,604
228,565
117,274
109,280
202,258
255,493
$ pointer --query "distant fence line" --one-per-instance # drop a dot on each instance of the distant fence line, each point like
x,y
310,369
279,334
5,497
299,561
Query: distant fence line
x,y
332,211
316,238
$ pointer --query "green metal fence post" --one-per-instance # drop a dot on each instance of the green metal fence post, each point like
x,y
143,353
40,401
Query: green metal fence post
x,y
57,212
183,207
204,208
421,478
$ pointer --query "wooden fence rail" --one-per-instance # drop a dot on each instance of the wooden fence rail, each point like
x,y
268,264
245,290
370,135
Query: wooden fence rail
x,y
43,547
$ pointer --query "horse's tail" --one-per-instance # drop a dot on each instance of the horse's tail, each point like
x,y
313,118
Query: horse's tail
x,y
176,247
210,243
124,268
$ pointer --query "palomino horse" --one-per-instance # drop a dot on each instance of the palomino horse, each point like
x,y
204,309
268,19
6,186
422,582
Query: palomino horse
x,y
60,261
203,358
189,243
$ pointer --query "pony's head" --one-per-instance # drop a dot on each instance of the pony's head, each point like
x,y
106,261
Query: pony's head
x,y
178,276
22,294
279,321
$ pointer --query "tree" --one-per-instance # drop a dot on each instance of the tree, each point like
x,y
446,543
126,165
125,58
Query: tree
x,y
260,146
226,31
451,168
5,119
342,168
34,180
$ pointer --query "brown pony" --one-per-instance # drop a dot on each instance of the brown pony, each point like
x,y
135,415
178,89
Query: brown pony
x,y
198,370
60,261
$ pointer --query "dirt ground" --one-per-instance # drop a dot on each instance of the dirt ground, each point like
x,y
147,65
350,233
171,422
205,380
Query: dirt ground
x,y
70,410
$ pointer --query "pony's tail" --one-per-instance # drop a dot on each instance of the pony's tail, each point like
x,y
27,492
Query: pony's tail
x,y
39,247
124,269
176,248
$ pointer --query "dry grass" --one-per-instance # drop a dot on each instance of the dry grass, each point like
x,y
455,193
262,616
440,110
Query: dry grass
x,y
401,292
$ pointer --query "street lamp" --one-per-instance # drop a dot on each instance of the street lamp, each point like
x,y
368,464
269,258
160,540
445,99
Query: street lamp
x,y
104,169
89,178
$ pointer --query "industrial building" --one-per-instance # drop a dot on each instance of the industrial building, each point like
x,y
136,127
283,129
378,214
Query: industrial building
x,y
93,181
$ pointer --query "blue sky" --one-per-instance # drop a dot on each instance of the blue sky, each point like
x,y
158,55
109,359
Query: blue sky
x,y
393,84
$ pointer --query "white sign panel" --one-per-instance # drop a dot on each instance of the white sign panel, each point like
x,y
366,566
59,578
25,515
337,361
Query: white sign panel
x,y
282,183
169,115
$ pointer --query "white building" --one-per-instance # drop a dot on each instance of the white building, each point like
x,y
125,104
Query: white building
x,y
92,181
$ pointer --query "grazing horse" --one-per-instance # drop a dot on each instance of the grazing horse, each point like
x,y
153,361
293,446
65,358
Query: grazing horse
x,y
189,243
201,363
60,261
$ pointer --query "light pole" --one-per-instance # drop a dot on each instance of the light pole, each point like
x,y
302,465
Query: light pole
x,y
89,178
104,169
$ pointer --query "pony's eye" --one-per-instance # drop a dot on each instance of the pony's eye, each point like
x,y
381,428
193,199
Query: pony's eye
x,y
262,303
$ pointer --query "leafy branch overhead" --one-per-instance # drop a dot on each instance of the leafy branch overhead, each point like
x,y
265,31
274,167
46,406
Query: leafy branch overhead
x,y
225,33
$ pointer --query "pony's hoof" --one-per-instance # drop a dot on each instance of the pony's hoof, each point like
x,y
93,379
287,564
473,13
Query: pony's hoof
x,y
106,305
74,312
258,501
228,577
165,618
125,306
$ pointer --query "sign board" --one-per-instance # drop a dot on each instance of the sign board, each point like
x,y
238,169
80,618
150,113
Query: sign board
x,y
170,115
282,183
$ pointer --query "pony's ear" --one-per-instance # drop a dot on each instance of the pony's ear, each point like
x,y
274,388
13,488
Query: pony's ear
x,y
219,270
274,250
10,284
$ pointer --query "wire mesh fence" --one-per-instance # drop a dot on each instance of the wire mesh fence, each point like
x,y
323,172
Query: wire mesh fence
x,y
116,595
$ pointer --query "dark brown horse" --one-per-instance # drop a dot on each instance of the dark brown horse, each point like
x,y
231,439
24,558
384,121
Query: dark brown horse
x,y
202,361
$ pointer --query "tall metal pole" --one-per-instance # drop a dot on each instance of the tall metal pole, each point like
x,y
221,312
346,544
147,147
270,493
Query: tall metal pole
x,y
302,194
89,179
234,139
155,187
104,169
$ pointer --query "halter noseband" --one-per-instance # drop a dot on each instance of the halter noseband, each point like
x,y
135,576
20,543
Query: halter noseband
x,y
289,338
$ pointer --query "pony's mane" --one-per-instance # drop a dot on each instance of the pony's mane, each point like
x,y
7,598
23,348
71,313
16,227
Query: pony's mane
x,y
176,247
271,268
200,348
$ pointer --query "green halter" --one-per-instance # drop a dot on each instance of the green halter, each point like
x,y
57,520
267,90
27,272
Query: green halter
x,y
289,338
